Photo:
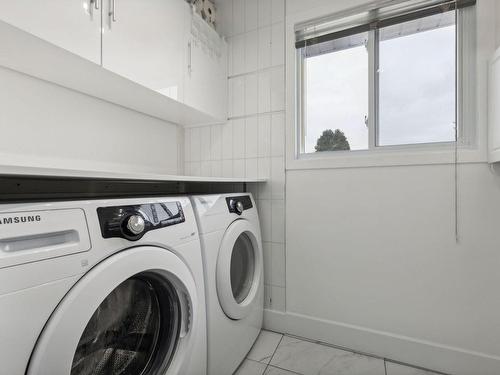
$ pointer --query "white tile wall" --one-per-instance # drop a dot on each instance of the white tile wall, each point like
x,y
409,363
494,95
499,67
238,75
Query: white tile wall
x,y
238,16
251,50
251,15
251,143
251,94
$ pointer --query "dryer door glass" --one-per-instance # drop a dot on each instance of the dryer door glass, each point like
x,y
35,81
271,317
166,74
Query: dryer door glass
x,y
133,331
242,267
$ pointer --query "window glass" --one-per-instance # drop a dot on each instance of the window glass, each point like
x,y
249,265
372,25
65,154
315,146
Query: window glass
x,y
335,97
417,81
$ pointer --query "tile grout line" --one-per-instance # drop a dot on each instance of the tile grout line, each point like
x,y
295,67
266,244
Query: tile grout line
x,y
274,352
284,369
345,349
362,354
433,372
264,69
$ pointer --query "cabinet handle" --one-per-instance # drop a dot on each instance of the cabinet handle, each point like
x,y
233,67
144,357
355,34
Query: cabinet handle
x,y
90,9
97,4
112,12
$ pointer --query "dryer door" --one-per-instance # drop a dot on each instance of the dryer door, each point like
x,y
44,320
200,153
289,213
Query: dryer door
x,y
239,269
131,314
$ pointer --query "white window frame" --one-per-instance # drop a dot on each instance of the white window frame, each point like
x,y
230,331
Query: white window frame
x,y
471,122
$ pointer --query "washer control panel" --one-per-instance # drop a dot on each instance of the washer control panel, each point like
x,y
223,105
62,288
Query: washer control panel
x,y
133,222
239,204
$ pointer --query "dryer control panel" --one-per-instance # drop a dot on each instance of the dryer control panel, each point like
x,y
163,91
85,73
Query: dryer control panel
x,y
133,222
239,204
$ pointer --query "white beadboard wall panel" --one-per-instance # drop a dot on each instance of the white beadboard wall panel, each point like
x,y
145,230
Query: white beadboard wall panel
x,y
251,15
264,134
251,94
277,10
251,137
238,16
268,258
237,46
251,168
251,51
264,53
278,89
278,134
264,13
278,44
264,168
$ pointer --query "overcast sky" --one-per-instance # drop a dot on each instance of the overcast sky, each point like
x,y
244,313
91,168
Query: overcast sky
x,y
417,91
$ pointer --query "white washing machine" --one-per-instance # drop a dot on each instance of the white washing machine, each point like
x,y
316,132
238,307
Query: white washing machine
x,y
232,254
109,287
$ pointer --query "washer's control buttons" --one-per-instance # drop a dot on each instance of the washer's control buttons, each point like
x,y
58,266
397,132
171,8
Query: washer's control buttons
x,y
136,224
134,221
236,206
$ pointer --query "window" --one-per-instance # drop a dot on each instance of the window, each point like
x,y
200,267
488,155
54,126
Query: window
x,y
336,95
369,82
416,90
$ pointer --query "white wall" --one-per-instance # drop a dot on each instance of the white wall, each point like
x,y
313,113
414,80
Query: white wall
x,y
251,143
371,258
42,124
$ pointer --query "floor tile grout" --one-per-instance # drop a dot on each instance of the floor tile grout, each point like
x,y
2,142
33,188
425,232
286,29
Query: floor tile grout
x,y
274,352
336,347
385,360
284,369
415,367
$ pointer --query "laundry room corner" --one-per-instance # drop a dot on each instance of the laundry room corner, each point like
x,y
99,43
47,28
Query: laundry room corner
x,y
251,143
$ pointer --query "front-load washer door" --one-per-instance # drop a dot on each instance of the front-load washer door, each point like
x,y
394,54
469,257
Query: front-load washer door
x,y
239,269
131,314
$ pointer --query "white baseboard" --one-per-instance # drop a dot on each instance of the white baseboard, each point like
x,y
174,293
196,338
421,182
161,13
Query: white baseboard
x,y
398,348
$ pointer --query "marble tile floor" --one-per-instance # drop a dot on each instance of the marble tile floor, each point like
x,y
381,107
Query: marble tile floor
x,y
277,354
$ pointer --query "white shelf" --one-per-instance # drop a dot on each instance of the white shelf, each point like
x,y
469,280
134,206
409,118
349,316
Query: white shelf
x,y
74,173
35,57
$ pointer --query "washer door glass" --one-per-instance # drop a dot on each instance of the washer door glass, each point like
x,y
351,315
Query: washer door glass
x,y
242,267
133,331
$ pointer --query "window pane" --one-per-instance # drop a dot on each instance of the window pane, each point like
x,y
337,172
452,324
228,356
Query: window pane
x,y
417,81
336,95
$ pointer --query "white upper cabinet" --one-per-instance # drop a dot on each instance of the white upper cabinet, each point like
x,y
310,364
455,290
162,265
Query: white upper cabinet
x,y
144,42
206,76
162,45
74,25
159,44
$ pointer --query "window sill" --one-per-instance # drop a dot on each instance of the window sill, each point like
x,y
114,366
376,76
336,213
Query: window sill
x,y
427,155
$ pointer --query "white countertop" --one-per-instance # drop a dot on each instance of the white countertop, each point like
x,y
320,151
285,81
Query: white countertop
x,y
72,173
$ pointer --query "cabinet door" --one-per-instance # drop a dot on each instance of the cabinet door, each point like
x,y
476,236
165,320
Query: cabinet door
x,y
206,76
143,41
74,25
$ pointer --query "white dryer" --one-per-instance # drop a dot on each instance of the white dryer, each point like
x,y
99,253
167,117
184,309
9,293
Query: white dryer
x,y
109,287
232,254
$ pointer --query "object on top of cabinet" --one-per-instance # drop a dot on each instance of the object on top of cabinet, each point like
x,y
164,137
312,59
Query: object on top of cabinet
x,y
206,9
206,76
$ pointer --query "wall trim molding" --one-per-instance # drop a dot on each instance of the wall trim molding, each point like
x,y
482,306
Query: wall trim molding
x,y
425,354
